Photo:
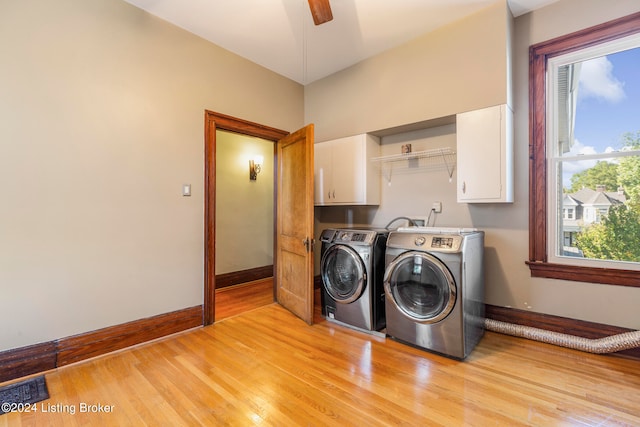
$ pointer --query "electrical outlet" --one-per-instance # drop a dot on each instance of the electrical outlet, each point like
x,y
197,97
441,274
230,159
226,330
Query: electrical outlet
x,y
437,207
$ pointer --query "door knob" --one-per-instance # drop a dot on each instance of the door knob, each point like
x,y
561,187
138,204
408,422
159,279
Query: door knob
x,y
308,243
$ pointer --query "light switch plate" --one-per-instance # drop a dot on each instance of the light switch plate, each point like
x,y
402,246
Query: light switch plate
x,y
186,189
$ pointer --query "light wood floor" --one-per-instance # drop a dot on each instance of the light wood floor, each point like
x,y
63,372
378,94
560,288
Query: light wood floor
x,y
266,367
238,299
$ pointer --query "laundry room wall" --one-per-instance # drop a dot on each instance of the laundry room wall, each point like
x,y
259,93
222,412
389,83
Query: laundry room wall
x,y
409,188
462,66
507,277
102,112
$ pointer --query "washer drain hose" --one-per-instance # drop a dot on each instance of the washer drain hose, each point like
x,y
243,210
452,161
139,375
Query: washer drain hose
x,y
610,344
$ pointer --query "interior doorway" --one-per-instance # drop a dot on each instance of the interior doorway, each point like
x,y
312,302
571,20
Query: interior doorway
x,y
244,222
213,123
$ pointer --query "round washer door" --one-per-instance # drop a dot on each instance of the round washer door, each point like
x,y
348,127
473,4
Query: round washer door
x,y
420,286
343,273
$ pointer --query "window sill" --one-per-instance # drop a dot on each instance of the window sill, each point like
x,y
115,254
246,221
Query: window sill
x,y
607,276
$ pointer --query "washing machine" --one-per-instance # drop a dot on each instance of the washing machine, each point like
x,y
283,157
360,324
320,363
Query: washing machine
x,y
434,289
352,269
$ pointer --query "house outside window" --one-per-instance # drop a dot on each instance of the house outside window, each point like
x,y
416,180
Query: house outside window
x,y
584,208
585,163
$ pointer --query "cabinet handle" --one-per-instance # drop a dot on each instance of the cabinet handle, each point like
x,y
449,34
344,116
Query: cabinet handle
x,y
464,187
334,194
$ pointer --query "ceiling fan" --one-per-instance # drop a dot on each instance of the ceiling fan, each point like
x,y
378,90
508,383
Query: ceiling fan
x,y
321,11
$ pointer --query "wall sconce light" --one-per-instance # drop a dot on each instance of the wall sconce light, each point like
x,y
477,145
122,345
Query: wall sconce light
x,y
254,167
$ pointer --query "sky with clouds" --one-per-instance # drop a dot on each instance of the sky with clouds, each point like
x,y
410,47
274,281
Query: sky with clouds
x,y
608,100
608,106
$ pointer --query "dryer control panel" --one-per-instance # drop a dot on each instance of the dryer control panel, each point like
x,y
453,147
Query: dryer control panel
x,y
350,236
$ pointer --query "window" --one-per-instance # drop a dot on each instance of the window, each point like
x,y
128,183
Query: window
x,y
579,196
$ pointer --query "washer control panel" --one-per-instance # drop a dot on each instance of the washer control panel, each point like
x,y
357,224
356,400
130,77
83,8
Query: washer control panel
x,y
442,242
427,242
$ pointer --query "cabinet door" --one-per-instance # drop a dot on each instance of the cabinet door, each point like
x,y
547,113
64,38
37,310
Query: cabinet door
x,y
485,163
348,170
342,172
323,166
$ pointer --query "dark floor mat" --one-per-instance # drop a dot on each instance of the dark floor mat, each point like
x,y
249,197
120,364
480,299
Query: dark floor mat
x,y
22,393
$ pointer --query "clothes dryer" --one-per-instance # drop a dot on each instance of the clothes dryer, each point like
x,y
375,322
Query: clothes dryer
x,y
434,289
352,269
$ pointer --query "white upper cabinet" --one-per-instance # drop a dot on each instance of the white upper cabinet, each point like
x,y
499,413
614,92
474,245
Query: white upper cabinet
x,y
343,172
485,155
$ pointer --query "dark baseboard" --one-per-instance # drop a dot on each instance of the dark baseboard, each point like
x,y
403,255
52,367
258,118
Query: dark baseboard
x,y
41,357
102,341
579,328
29,360
243,276
37,358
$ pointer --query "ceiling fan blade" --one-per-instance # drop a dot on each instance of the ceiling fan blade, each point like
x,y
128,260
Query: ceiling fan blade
x,y
321,11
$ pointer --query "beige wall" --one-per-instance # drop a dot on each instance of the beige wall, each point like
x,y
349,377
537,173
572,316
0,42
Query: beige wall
x,y
387,92
102,122
460,67
102,112
244,208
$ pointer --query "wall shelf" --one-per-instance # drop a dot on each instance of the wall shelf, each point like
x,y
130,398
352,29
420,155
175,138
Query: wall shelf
x,y
435,158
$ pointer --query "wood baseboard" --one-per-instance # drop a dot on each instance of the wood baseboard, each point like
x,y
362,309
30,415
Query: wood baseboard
x,y
42,357
29,360
579,328
243,276
102,341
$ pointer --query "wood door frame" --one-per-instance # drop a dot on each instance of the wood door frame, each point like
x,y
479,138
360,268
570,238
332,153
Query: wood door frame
x,y
216,121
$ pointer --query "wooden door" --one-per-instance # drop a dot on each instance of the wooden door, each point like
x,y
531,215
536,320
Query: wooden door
x,y
294,224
